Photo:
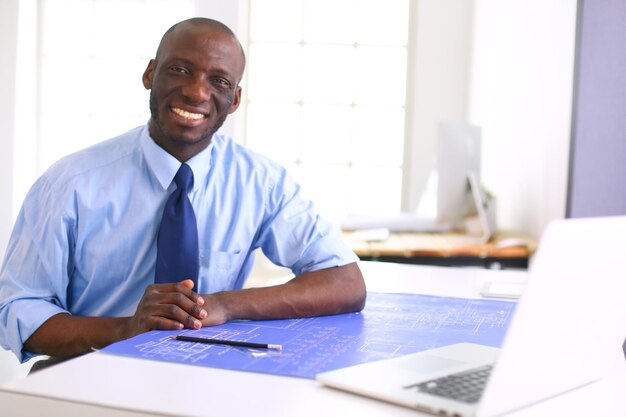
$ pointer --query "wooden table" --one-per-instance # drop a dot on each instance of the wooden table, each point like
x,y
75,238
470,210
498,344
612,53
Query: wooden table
x,y
444,249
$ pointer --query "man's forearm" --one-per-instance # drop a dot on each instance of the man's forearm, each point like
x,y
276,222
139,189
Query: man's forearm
x,y
327,291
170,306
64,335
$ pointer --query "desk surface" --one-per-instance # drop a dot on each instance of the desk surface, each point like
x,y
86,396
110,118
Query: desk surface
x,y
451,249
98,384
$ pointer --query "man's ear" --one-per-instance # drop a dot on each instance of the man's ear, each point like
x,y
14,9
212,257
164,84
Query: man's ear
x,y
236,100
147,75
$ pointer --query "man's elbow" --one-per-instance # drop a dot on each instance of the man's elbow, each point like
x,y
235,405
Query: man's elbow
x,y
355,293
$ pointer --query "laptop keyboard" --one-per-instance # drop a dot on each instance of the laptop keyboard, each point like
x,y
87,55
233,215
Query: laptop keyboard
x,y
466,386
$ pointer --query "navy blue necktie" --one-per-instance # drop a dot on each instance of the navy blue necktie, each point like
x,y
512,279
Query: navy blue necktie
x,y
177,242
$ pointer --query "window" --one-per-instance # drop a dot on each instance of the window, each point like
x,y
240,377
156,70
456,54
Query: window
x,y
91,65
324,94
326,97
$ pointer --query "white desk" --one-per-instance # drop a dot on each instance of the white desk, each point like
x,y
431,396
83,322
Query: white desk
x,y
99,384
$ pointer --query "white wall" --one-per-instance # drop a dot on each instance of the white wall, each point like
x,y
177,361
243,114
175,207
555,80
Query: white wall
x,y
440,39
521,94
8,46
506,66
9,367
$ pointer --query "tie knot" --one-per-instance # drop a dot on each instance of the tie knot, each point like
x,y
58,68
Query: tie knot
x,y
184,177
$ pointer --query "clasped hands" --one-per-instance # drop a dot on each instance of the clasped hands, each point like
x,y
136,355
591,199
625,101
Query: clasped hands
x,y
175,306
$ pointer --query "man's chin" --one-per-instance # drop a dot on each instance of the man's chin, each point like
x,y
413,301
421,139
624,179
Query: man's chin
x,y
188,136
184,141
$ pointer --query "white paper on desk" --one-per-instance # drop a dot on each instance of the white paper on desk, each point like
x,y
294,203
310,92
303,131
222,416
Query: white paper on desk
x,y
510,290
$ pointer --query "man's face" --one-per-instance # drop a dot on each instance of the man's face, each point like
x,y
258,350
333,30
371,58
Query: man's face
x,y
194,86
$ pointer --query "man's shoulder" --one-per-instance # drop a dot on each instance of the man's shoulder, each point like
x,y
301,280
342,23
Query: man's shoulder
x,y
98,156
234,155
98,161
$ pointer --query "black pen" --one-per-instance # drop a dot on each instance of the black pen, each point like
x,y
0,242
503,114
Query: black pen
x,y
227,342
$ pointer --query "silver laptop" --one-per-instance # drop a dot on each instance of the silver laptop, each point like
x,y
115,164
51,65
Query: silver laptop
x,y
567,331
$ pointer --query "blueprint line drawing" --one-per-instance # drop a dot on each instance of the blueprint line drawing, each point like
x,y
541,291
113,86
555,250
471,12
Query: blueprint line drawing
x,y
390,325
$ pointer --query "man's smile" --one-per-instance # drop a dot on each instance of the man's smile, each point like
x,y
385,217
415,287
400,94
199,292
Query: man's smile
x,y
187,115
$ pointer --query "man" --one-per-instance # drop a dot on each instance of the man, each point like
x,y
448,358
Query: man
x,y
79,272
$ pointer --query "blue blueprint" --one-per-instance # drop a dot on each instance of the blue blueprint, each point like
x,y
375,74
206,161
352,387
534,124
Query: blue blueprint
x,y
390,325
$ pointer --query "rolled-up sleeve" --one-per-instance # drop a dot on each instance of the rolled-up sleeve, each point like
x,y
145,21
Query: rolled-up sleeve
x,y
33,278
295,236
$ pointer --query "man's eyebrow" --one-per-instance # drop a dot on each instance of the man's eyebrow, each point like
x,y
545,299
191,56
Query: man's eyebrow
x,y
216,70
222,72
177,60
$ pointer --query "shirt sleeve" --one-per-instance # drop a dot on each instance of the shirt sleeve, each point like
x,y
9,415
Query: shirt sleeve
x,y
295,236
33,278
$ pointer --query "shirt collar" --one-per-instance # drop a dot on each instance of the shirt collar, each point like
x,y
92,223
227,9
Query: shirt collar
x,y
164,166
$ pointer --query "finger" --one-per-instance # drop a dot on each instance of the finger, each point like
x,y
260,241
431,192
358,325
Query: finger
x,y
187,283
165,295
183,287
173,312
193,295
177,303
161,323
183,302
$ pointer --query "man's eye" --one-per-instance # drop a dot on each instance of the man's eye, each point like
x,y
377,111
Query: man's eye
x,y
179,69
222,83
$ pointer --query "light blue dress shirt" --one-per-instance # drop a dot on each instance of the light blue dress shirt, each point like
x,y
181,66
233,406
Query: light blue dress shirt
x,y
85,239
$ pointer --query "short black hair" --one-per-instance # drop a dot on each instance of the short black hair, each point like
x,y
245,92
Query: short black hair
x,y
204,21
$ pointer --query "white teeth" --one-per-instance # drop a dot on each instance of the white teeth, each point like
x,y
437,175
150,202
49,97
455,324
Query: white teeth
x,y
187,115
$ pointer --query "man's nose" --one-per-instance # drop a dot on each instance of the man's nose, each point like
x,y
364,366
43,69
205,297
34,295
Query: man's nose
x,y
197,89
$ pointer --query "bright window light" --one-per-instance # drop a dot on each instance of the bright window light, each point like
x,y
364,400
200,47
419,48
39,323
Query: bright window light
x,y
326,94
100,64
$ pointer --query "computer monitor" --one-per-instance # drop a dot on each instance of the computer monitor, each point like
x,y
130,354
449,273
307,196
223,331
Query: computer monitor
x,y
459,191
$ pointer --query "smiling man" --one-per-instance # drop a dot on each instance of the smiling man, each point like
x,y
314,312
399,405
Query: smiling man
x,y
80,268
194,83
